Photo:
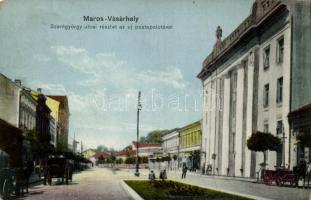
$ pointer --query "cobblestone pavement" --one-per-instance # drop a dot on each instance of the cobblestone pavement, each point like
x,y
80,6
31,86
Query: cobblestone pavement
x,y
244,187
97,183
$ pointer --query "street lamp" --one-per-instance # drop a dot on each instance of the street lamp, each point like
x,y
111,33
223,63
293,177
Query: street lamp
x,y
139,107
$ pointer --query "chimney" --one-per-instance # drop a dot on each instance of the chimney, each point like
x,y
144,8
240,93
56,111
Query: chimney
x,y
39,90
18,82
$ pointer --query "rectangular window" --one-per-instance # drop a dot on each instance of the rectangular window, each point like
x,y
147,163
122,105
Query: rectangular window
x,y
266,58
280,50
266,128
279,127
266,96
279,90
279,155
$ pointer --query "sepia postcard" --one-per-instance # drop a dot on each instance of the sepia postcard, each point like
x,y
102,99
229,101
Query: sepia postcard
x,y
155,100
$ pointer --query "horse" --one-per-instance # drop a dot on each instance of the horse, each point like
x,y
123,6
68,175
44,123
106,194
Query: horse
x,y
300,171
308,175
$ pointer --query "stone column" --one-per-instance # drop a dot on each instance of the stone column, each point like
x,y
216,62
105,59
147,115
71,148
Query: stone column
x,y
249,111
239,119
225,136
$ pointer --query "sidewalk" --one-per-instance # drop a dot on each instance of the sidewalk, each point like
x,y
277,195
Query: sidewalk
x,y
242,186
253,180
34,178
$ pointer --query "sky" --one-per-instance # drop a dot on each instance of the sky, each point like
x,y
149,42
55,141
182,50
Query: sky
x,y
101,71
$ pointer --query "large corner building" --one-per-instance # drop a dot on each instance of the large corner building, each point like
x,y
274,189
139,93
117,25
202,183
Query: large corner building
x,y
252,80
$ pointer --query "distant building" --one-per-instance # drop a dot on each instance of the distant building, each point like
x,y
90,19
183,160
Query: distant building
x,y
63,122
146,150
54,123
90,155
170,145
125,154
190,141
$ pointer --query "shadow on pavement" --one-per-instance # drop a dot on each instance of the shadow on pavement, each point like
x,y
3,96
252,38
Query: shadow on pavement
x,y
31,193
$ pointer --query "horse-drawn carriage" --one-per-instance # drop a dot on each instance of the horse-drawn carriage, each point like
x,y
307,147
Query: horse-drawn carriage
x,y
284,176
280,176
6,182
58,167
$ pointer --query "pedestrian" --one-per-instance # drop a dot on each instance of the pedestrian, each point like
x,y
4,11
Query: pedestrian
x,y
184,171
152,176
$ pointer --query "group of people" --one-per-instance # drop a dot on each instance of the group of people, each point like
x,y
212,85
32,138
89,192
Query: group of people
x,y
163,174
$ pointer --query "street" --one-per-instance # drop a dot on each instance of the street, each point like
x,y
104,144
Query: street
x,y
93,184
103,183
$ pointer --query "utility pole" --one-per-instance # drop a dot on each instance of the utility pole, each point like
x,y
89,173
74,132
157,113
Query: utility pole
x,y
139,107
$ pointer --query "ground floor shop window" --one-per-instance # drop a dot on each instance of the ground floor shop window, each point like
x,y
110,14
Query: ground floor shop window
x,y
279,156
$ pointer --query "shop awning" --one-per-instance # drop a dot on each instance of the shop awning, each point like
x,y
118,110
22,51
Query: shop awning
x,y
11,141
301,118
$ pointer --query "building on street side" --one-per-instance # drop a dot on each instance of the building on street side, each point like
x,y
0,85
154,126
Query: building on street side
x,y
145,149
10,100
248,82
63,122
54,121
170,145
190,141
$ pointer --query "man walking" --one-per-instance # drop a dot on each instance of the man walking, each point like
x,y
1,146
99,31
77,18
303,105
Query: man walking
x,y
184,171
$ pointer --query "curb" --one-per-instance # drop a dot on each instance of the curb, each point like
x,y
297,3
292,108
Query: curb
x,y
228,192
130,191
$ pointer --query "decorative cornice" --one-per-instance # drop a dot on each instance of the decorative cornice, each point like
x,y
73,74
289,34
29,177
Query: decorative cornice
x,y
260,11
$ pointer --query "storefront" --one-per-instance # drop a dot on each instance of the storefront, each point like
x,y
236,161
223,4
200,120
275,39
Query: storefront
x,y
300,121
11,140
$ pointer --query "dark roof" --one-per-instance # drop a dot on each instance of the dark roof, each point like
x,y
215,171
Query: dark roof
x,y
6,125
102,154
126,153
304,108
61,99
300,118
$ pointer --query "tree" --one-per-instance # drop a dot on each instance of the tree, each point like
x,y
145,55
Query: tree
x,y
102,148
111,159
260,141
130,160
129,147
119,161
304,138
153,136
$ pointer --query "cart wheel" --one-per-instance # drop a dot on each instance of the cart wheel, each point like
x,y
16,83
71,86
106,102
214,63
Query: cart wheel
x,y
267,181
292,182
279,181
7,189
49,179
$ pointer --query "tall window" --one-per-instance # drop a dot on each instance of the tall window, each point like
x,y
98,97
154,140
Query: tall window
x,y
266,96
279,127
266,58
280,50
266,127
279,90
